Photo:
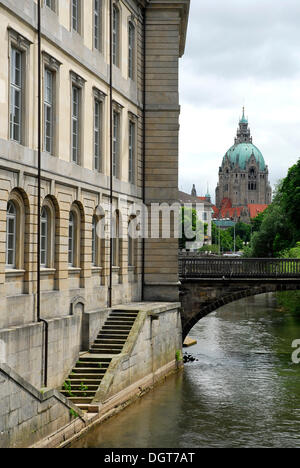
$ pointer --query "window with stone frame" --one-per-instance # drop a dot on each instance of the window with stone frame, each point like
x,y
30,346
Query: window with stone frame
x,y
11,232
116,36
98,24
94,242
132,146
18,56
99,98
132,242
51,4
74,237
15,232
131,50
51,73
77,88
76,15
48,224
116,239
116,137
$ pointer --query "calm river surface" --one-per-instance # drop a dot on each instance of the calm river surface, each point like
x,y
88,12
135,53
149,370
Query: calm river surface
x,y
244,390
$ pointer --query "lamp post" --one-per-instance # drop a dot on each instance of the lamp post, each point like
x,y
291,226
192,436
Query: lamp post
x,y
234,244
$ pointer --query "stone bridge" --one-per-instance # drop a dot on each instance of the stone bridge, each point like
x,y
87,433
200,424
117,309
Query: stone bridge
x,y
208,283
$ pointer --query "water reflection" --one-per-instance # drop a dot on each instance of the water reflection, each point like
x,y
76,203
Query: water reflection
x,y
243,391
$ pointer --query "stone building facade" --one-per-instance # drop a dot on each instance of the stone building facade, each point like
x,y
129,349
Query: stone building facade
x,y
243,175
79,271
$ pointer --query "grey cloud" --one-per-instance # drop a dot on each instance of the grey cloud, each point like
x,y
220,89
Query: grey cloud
x,y
244,38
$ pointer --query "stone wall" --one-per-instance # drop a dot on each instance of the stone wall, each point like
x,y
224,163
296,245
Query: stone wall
x,y
24,346
27,415
152,345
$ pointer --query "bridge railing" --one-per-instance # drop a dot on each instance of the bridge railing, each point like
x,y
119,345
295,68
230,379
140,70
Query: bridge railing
x,y
199,267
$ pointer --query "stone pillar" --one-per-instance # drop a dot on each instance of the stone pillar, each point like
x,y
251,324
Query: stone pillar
x,y
165,34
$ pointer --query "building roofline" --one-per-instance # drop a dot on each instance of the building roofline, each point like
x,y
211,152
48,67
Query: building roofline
x,y
183,6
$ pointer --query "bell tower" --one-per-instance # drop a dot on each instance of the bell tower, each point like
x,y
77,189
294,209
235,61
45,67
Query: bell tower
x,y
243,133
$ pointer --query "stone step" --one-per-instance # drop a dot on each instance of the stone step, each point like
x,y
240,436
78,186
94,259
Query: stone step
x,y
91,388
126,323
88,370
121,318
127,311
88,383
112,337
83,377
92,365
123,314
80,400
95,359
117,326
104,351
110,340
108,345
78,393
114,332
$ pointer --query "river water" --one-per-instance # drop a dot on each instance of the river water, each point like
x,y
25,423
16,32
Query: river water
x,y
243,390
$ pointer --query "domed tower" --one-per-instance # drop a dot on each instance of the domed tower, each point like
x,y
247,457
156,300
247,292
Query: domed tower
x,y
243,175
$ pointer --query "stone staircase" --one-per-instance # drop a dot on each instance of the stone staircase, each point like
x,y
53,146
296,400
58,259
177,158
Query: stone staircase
x,y
82,384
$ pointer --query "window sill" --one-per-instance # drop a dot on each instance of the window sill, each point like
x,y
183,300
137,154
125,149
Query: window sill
x,y
96,269
116,269
48,271
74,271
14,273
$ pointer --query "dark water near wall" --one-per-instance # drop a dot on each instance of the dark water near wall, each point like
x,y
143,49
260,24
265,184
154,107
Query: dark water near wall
x,y
244,390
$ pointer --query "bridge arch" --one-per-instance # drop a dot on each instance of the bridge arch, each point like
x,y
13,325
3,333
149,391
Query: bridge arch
x,y
199,299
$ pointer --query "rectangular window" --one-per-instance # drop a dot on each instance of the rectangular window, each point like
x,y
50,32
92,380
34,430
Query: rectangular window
x,y
131,152
97,134
131,39
97,24
51,4
115,34
75,124
116,143
48,111
16,95
76,14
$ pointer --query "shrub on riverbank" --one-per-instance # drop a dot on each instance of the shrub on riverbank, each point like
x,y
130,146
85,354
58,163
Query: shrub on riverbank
x,y
290,301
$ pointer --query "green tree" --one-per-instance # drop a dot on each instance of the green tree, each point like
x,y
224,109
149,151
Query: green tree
x,y
278,228
242,230
289,195
191,227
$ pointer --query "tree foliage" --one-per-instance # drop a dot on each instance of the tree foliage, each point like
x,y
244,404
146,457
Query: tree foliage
x,y
191,227
278,228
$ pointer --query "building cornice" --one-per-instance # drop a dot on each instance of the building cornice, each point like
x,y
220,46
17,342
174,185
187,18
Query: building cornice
x,y
184,7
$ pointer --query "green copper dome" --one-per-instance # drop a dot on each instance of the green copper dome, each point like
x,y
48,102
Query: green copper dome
x,y
242,152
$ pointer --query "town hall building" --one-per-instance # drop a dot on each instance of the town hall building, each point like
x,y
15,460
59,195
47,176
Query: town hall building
x,y
243,190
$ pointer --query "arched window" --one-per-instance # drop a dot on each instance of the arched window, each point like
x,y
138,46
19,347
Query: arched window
x,y
131,50
132,233
71,248
94,243
116,36
116,239
44,237
11,223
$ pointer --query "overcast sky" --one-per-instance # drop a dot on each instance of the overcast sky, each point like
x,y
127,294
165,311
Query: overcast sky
x,y
239,52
